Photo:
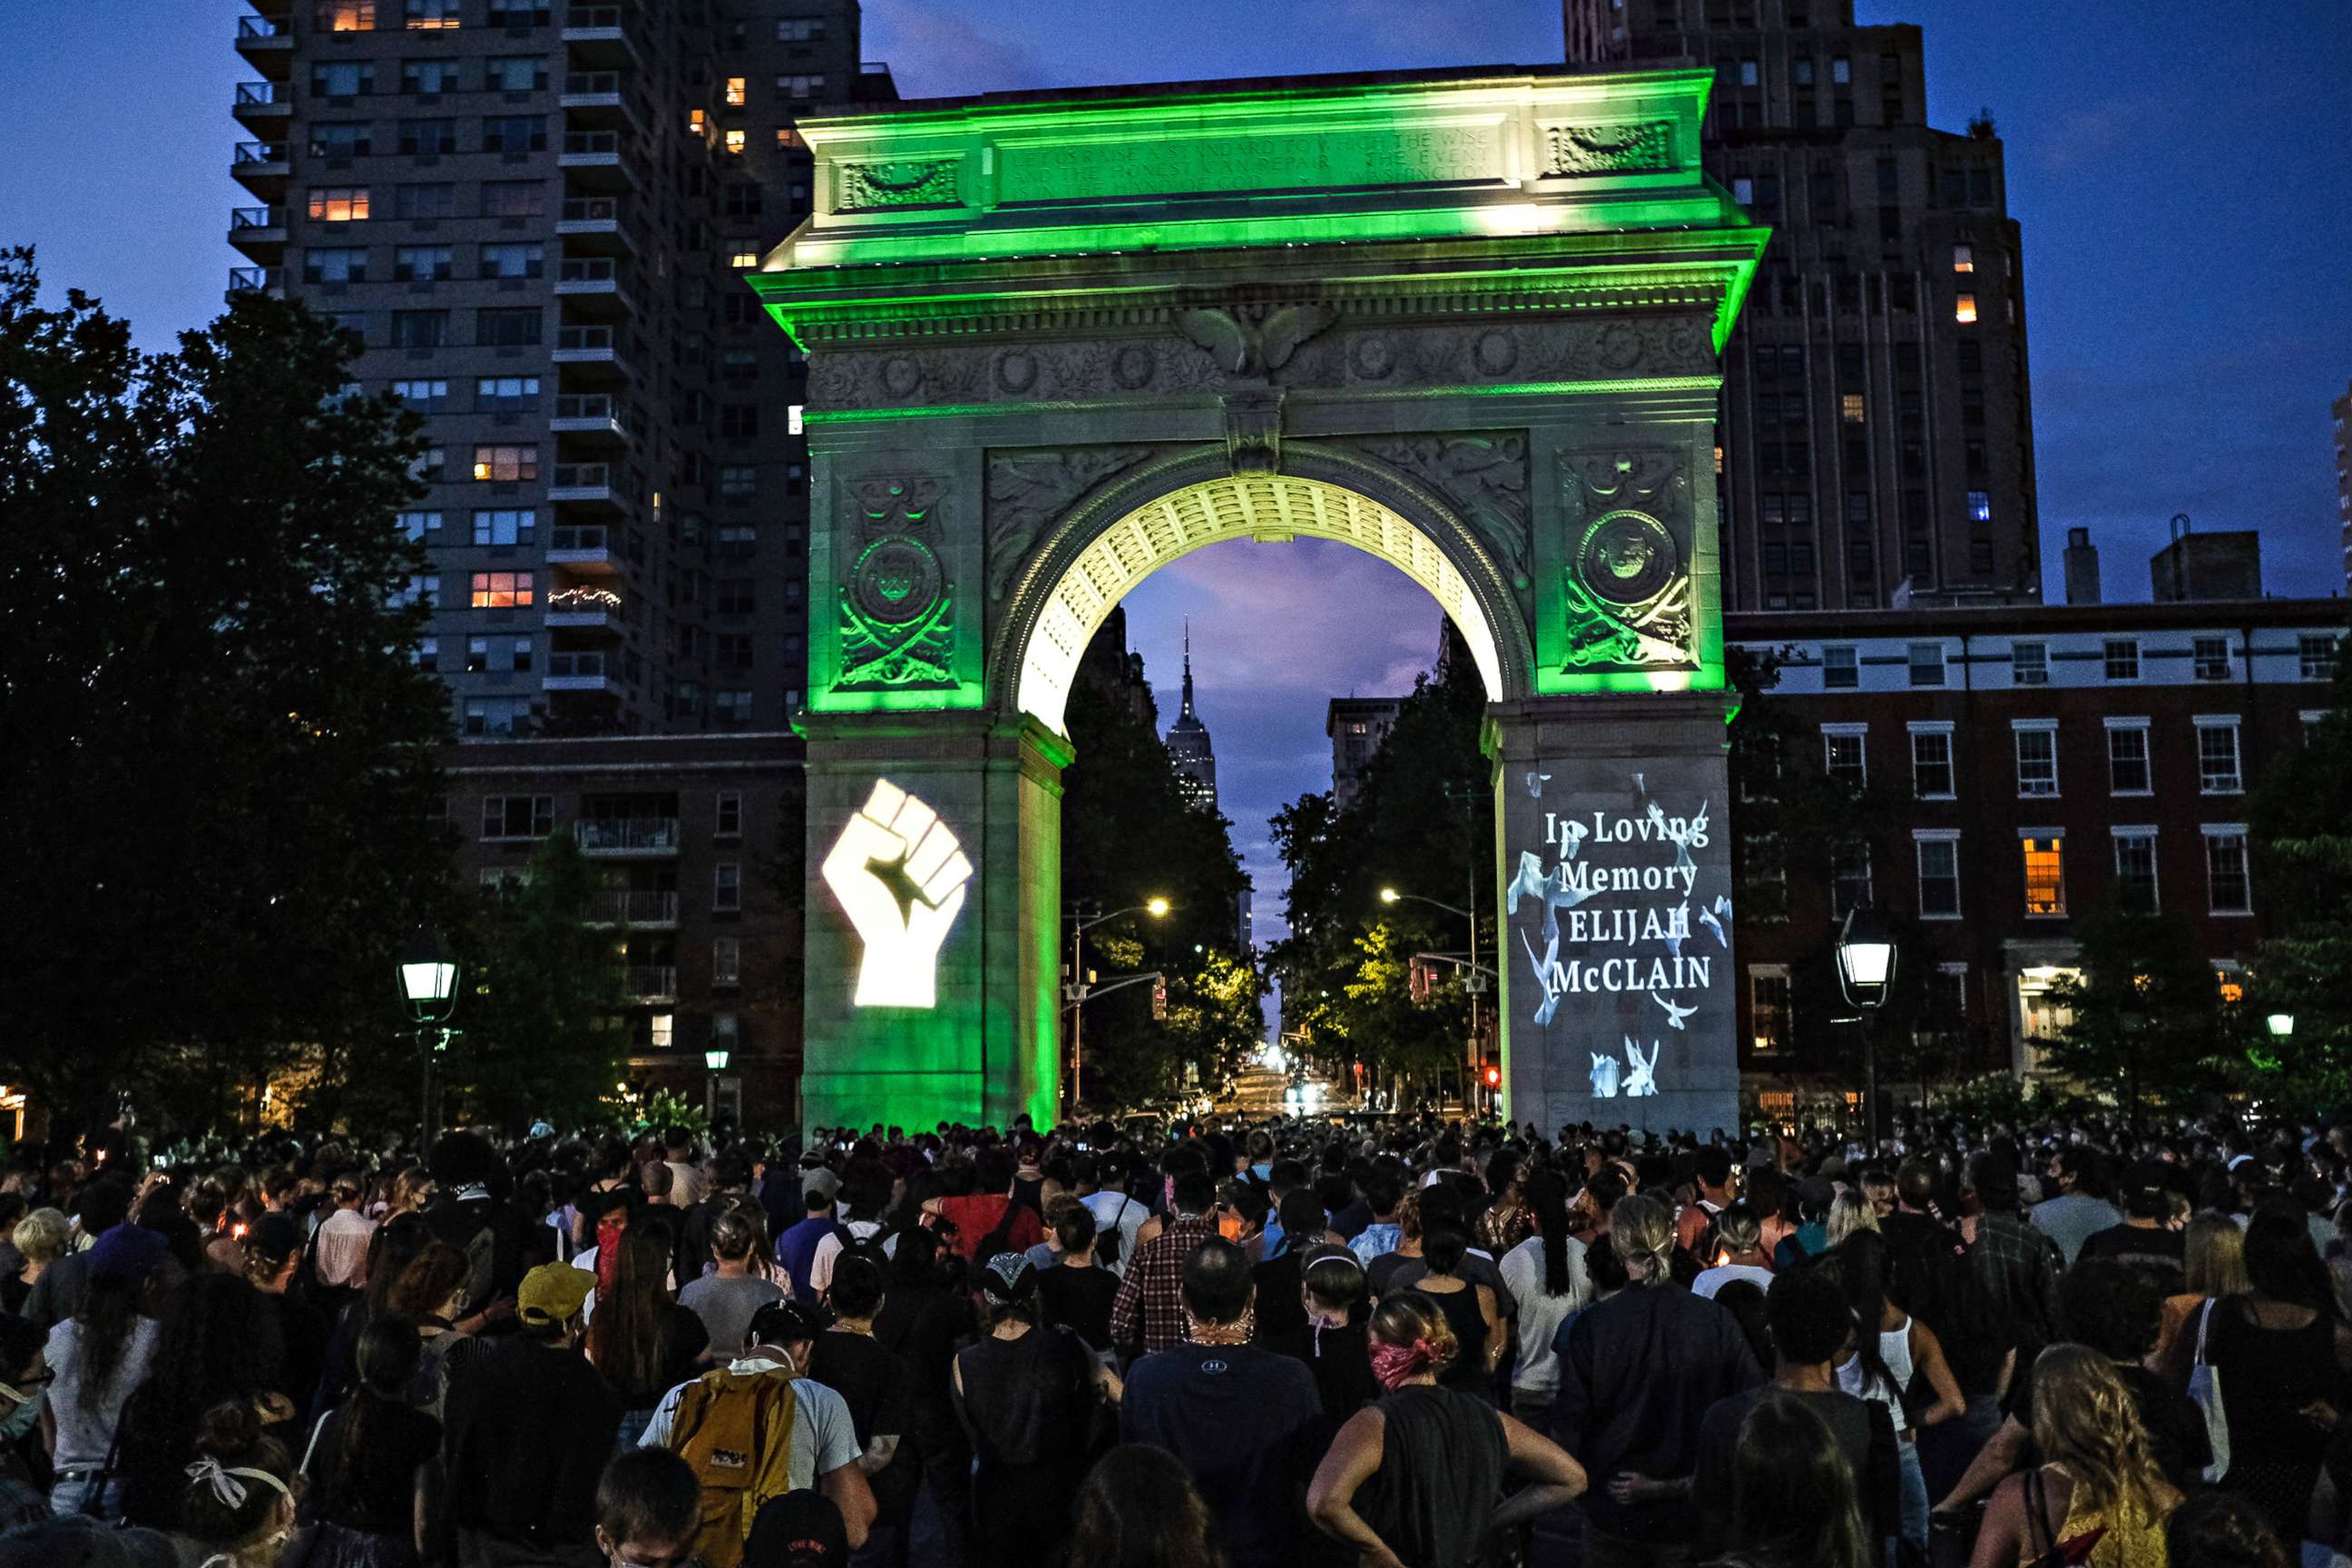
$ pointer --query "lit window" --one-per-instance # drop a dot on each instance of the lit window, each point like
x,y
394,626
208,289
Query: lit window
x,y
1768,1006
431,15
2037,757
506,465
1747,73
743,258
2122,658
2217,757
735,142
339,204
1841,670
788,139
1850,406
1841,69
2230,980
2128,772
420,526
661,1031
504,526
1842,756
2136,868
1931,764
2045,876
344,16
1964,259
735,94
2228,889
501,590
695,121
2029,663
1743,191
1940,874
1964,309
1979,506
792,414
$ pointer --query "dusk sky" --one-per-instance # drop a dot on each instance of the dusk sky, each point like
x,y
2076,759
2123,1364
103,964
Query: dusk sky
x,y
2181,172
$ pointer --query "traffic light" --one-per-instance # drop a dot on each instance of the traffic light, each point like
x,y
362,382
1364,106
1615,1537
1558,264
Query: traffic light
x,y
1493,1076
1417,979
1159,1001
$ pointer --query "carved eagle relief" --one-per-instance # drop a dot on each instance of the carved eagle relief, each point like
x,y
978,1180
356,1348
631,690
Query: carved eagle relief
x,y
1254,341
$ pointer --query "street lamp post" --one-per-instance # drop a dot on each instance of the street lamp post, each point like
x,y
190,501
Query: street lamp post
x,y
1077,989
428,984
1866,958
714,1062
1474,981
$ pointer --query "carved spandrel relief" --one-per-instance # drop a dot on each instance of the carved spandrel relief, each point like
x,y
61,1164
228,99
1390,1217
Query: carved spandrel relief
x,y
1027,491
1622,148
1253,339
903,182
1626,582
1484,475
897,601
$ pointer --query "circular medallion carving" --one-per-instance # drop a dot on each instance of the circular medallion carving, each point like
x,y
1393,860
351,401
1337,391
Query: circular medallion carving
x,y
1133,367
1495,352
1372,357
1627,558
1016,371
896,580
1621,346
901,375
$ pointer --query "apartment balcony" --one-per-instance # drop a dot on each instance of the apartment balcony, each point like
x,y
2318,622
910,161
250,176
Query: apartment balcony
x,y
575,671
584,609
650,982
595,160
267,44
270,281
590,354
628,906
591,286
263,107
621,835
594,100
583,485
590,226
595,36
262,168
586,550
258,233
590,419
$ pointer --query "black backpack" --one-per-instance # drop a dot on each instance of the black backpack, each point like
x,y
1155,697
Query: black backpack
x,y
1110,1241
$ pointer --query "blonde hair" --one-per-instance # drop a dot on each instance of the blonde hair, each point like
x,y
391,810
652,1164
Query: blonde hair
x,y
1642,1229
1849,1213
2213,1256
2084,1422
1404,1317
42,1235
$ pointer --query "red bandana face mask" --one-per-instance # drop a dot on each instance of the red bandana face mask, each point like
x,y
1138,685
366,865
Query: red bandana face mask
x,y
1393,1364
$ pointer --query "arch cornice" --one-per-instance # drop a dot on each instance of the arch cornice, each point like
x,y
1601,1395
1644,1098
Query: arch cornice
x,y
1487,580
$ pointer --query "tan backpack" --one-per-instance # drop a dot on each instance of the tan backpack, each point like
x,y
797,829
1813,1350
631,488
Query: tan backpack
x,y
736,1430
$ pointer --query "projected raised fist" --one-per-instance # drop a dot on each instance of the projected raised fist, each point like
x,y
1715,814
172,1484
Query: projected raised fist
x,y
900,876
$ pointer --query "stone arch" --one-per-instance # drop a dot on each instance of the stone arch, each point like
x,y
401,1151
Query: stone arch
x,y
1169,506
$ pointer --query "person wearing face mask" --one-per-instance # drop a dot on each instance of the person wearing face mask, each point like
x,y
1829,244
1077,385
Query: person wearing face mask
x,y
1427,1465
238,1512
23,1372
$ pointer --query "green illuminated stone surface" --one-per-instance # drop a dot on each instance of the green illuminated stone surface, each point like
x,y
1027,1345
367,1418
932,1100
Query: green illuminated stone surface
x,y
1466,322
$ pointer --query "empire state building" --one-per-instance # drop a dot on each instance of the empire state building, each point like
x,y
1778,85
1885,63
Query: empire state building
x,y
1189,746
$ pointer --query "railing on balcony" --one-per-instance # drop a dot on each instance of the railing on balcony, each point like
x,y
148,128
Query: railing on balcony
x,y
259,153
583,476
588,269
589,665
592,17
646,982
622,906
588,405
263,92
592,84
626,833
260,28
591,209
256,217
582,339
241,279
587,537
584,602
581,142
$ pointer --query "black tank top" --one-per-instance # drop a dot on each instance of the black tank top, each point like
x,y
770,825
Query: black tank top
x,y
1468,1374
1440,1478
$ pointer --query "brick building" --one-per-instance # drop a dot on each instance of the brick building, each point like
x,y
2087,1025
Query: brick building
x,y
2048,757
684,832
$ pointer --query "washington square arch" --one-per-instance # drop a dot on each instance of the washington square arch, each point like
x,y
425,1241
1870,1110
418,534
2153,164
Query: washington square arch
x,y
1465,321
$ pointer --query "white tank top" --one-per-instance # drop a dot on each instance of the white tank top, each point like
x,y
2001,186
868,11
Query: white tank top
x,y
1895,1350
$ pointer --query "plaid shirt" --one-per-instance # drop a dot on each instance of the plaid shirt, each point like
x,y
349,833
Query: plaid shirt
x,y
2018,1268
1152,1292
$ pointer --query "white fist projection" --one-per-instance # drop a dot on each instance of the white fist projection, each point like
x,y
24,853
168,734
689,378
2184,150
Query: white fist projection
x,y
900,876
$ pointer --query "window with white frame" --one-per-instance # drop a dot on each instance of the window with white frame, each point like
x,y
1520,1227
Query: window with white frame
x,y
1952,992
2029,663
2037,757
1850,880
2316,656
1841,668
1927,664
726,961
2210,658
2229,890
1842,754
2127,765
2045,853
726,888
2217,770
1767,1006
1938,851
2136,868
1931,762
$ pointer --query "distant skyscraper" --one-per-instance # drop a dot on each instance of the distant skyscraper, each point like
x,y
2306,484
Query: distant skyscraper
x,y
1356,726
1189,744
2342,409
1875,437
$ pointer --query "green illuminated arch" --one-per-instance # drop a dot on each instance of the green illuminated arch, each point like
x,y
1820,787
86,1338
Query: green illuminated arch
x,y
1113,539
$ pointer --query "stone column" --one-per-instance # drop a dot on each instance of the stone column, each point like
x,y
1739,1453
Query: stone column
x,y
1615,861
893,1035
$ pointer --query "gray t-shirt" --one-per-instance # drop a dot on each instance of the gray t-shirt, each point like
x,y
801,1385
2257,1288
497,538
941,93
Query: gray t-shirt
x,y
84,1435
726,1306
2073,1218
825,1439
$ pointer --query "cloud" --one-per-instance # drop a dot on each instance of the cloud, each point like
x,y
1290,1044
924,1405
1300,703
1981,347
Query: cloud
x,y
936,51
2092,135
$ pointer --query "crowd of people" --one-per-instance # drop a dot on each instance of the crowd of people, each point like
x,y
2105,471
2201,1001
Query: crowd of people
x,y
1387,1342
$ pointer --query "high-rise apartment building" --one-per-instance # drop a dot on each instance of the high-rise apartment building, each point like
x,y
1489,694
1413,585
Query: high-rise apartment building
x,y
2342,408
1876,434
534,217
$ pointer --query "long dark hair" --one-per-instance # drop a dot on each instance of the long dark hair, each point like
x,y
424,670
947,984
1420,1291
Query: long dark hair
x,y
393,1248
389,1354
219,1341
627,1337
107,1316
1139,1508
1547,1195
1793,1497
1859,1264
2281,1262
